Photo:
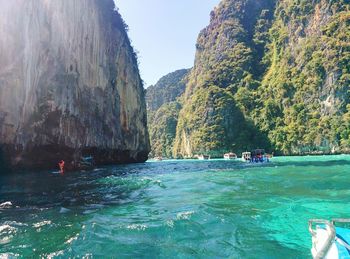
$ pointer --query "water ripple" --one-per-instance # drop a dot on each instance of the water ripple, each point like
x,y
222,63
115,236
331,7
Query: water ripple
x,y
191,209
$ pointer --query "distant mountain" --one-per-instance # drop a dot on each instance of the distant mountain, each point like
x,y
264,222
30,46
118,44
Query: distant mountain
x,y
167,89
162,125
163,111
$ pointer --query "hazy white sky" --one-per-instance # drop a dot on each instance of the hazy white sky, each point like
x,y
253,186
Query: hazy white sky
x,y
164,32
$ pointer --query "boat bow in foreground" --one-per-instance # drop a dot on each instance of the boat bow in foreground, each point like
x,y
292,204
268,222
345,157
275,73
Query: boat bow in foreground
x,y
328,240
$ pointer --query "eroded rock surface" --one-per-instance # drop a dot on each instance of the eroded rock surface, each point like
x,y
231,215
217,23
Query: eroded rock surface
x,y
69,85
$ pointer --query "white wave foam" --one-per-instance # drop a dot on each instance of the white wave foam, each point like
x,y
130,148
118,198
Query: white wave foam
x,y
43,223
6,205
72,239
141,227
15,223
8,255
6,234
184,215
55,254
7,228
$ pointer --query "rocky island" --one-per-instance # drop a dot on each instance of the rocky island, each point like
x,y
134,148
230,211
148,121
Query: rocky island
x,y
69,85
267,73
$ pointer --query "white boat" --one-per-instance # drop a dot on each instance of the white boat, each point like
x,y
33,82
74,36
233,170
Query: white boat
x,y
230,156
246,156
328,240
203,157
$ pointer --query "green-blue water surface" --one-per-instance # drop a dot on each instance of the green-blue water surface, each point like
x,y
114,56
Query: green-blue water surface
x,y
174,209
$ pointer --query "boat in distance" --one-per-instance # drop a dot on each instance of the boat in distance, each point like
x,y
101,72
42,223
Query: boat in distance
x,y
256,156
203,157
230,156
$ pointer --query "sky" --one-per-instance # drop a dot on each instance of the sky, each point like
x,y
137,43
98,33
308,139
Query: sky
x,y
164,32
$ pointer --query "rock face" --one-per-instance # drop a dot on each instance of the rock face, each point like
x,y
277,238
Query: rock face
x,y
270,74
69,85
303,97
211,121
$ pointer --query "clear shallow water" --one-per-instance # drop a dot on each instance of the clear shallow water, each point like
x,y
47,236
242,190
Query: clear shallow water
x,y
175,209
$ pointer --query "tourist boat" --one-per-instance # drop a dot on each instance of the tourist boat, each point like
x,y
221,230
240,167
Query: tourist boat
x,y
246,156
158,158
328,240
230,156
259,156
203,157
256,156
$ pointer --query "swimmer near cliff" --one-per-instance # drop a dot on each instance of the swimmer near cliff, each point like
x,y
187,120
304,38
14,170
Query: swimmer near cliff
x,y
61,166
81,163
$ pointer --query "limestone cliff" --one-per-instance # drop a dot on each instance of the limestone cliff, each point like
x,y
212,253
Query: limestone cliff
x,y
69,85
273,74
303,98
210,121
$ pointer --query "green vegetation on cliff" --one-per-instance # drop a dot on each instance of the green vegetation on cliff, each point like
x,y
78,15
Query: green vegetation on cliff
x,y
162,129
229,54
163,110
305,93
211,123
167,89
271,74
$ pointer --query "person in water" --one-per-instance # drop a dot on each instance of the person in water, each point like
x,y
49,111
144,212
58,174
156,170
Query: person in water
x,y
61,165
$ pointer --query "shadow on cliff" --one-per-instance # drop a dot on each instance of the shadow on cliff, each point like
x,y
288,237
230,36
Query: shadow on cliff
x,y
247,135
254,138
3,165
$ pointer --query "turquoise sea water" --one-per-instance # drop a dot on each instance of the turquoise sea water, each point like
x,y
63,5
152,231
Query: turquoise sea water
x,y
174,209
